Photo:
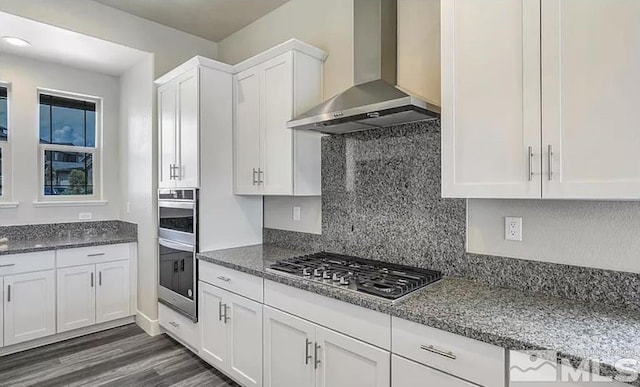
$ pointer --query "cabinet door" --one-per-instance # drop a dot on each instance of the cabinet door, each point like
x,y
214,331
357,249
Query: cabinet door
x,y
213,333
112,291
188,150
244,324
76,297
288,350
29,306
344,361
246,134
491,98
277,139
406,373
167,116
590,94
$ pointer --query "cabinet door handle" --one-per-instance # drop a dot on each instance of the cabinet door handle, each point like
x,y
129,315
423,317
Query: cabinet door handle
x,y
254,176
8,293
174,324
95,255
178,174
315,355
182,265
225,279
99,278
550,158
226,310
306,351
8,265
260,174
171,172
440,352
530,162
219,310
91,279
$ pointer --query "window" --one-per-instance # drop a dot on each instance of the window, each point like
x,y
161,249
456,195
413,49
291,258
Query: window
x,y
68,132
4,136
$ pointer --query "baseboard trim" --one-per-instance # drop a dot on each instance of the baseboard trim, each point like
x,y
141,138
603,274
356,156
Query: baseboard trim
x,y
152,327
65,336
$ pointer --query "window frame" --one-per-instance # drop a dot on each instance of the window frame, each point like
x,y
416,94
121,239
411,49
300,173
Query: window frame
x,y
96,151
5,153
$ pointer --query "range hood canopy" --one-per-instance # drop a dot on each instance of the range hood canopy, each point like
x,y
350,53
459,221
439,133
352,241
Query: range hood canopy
x,y
374,101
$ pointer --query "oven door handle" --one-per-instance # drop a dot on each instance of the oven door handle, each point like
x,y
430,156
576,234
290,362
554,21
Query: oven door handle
x,y
190,205
176,245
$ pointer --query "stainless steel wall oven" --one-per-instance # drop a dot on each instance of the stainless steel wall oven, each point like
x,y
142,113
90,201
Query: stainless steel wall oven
x,y
177,248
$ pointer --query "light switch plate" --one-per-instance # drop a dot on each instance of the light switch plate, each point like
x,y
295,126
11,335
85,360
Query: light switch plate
x,y
513,229
85,216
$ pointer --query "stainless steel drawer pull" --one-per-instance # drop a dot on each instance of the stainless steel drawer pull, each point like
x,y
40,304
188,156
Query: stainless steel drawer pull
x,y
219,310
95,255
255,181
440,352
306,351
8,265
100,278
174,324
225,279
550,155
530,163
315,354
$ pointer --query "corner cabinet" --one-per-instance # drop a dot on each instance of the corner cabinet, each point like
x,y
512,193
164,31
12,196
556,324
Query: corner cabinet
x,y
186,96
269,90
529,110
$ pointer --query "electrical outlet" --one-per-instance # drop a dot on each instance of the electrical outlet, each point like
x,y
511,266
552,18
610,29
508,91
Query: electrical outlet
x,y
296,213
513,229
85,216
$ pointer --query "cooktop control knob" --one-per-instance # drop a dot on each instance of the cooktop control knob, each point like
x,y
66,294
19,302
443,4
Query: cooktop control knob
x,y
326,275
317,272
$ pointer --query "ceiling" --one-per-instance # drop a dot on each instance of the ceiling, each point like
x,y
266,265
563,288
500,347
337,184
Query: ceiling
x,y
210,19
53,44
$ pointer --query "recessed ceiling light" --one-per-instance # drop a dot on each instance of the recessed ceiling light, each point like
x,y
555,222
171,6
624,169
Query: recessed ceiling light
x,y
12,40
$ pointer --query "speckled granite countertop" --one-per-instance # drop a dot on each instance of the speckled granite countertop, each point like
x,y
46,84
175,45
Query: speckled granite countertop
x,y
21,246
504,317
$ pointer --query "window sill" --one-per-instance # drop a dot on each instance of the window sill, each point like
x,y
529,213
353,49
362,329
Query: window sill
x,y
70,203
9,205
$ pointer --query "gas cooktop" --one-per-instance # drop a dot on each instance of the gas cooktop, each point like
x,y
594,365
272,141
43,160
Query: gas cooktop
x,y
381,279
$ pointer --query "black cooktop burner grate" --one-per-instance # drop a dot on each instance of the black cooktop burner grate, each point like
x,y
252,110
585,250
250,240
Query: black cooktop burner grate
x,y
387,280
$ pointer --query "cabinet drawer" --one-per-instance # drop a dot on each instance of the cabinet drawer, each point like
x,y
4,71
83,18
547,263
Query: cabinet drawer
x,y
24,263
91,255
241,283
406,373
179,326
466,358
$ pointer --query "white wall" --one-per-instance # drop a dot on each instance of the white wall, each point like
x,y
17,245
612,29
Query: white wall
x,y
583,233
25,76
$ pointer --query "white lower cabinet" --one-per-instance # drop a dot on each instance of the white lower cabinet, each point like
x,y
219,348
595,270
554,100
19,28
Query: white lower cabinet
x,y
112,291
288,350
231,333
91,294
407,373
299,353
76,297
29,306
1,312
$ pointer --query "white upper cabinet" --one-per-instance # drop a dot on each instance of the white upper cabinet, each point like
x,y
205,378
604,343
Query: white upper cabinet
x,y
185,95
269,90
491,98
557,77
590,94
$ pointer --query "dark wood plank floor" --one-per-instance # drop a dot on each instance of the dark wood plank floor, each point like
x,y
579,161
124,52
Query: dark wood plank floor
x,y
124,356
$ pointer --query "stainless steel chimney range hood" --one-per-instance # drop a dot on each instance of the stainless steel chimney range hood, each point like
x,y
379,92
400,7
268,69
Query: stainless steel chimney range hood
x,y
374,101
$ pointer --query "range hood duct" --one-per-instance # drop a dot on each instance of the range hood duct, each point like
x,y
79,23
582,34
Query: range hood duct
x,y
374,101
